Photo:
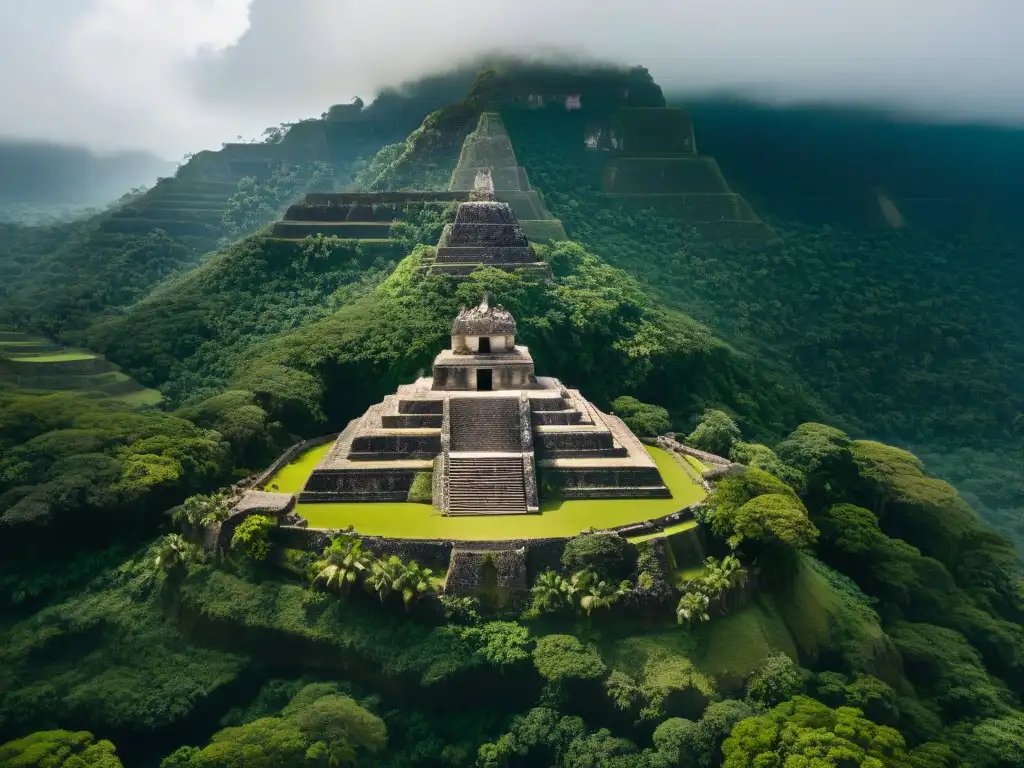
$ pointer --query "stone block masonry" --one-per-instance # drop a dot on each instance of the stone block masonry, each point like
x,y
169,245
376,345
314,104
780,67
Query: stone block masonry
x,y
479,424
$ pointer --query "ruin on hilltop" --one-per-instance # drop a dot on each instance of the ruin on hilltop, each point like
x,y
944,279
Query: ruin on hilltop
x,y
484,425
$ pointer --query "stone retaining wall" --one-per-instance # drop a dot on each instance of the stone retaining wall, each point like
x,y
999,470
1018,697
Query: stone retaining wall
x,y
541,554
669,443
466,572
276,505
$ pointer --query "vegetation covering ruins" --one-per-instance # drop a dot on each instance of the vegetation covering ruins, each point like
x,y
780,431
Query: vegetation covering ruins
x,y
230,408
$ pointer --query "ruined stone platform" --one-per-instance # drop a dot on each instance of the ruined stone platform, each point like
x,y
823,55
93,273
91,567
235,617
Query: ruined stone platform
x,y
482,427
488,148
485,233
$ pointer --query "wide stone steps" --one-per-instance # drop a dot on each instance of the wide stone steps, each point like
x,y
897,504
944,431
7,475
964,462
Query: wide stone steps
x,y
492,485
485,424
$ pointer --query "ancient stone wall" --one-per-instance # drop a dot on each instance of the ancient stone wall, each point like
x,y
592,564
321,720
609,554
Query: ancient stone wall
x,y
541,554
385,446
669,443
275,505
467,572
359,485
526,442
576,444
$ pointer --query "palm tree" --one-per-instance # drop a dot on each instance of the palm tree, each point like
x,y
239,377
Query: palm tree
x,y
201,511
692,608
601,594
550,592
174,553
413,581
384,574
343,564
729,576
714,580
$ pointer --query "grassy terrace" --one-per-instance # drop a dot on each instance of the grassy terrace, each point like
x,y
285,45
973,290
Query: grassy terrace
x,y
420,521
39,368
56,357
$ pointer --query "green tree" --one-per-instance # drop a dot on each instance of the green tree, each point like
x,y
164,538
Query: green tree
x,y
265,743
413,582
202,511
600,750
252,537
778,679
822,455
692,608
385,574
58,749
643,419
675,741
714,726
608,555
762,457
563,657
803,731
773,518
997,743
758,512
174,553
344,728
594,592
715,433
502,643
344,563
549,592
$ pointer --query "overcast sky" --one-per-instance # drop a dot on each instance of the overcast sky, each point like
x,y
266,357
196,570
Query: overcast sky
x,y
179,75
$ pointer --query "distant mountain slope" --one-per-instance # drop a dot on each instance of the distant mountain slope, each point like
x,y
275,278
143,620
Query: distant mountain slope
x,y
51,174
825,165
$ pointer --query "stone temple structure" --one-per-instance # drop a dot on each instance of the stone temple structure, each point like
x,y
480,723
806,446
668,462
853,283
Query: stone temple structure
x,y
653,163
485,233
486,433
489,148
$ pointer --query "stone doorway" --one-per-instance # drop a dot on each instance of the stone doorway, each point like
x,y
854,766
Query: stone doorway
x,y
484,380
485,345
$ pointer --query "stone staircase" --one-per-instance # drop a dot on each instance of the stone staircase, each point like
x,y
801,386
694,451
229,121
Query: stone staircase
x,y
486,485
486,474
485,424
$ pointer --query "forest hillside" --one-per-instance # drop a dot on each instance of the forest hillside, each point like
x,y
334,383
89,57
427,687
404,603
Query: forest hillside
x,y
848,591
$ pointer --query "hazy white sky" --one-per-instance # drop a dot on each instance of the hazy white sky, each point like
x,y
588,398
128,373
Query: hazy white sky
x,y
179,75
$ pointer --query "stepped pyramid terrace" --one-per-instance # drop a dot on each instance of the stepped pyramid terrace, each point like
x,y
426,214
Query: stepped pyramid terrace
x,y
356,215
488,148
488,432
655,163
35,364
369,215
485,233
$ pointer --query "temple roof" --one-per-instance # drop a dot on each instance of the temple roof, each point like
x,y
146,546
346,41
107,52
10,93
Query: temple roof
x,y
484,320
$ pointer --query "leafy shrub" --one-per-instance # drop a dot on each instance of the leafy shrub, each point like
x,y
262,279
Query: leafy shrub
x,y
421,491
715,433
252,536
778,679
608,555
57,749
643,419
562,657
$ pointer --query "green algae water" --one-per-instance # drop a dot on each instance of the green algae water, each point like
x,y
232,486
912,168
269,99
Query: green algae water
x,y
558,517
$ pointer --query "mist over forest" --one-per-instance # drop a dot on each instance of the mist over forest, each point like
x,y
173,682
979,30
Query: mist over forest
x,y
42,174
